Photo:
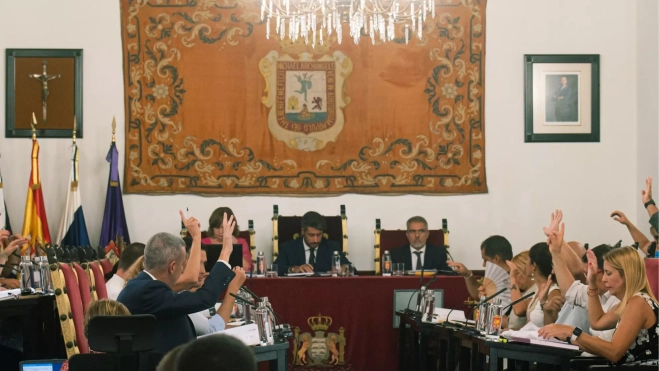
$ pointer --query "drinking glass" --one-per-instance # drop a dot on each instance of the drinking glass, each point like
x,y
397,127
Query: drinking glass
x,y
350,270
271,272
399,269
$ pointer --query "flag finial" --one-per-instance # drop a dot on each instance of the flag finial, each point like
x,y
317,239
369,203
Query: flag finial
x,y
114,128
34,128
74,129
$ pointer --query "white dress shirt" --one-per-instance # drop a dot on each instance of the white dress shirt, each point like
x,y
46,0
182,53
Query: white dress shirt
x,y
423,257
204,325
575,310
114,286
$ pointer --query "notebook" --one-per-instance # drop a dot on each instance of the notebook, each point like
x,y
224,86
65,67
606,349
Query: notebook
x,y
42,365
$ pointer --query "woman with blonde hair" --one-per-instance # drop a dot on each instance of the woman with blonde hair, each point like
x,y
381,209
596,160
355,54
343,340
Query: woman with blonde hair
x,y
103,307
520,284
635,318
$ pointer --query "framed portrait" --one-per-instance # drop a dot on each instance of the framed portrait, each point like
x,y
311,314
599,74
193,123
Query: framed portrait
x,y
48,83
561,98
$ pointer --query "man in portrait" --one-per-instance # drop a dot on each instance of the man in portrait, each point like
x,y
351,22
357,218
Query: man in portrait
x,y
565,99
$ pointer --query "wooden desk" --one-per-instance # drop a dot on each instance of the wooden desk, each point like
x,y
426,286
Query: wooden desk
x,y
555,358
42,337
275,355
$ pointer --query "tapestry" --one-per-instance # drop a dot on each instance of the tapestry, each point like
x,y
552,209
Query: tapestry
x,y
217,105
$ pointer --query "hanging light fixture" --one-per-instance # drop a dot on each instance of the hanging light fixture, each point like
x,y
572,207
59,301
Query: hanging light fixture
x,y
304,19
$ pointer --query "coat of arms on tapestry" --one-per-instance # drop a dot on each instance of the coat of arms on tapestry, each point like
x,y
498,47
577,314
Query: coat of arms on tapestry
x,y
217,105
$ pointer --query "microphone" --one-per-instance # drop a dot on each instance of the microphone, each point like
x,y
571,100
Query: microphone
x,y
238,298
518,300
252,294
489,298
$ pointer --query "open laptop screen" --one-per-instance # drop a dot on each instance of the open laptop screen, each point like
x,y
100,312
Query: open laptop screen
x,y
43,365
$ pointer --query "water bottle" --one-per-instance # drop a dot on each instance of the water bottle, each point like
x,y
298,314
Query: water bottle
x,y
46,281
421,299
495,317
260,263
483,319
336,264
25,268
428,306
264,324
36,274
386,264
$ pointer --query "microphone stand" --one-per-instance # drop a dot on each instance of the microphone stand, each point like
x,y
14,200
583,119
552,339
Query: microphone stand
x,y
421,290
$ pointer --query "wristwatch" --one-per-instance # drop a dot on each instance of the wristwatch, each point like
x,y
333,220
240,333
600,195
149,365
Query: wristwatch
x,y
575,334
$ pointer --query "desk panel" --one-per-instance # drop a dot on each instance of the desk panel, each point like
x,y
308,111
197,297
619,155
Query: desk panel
x,y
362,306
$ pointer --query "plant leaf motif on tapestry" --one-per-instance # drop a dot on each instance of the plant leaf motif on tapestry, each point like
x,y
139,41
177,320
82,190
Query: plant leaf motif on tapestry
x,y
215,107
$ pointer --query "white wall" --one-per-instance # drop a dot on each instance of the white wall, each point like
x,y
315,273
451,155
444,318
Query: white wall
x,y
647,90
526,181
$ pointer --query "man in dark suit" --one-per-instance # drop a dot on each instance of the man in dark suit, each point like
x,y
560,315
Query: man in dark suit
x,y
151,291
566,102
311,253
417,253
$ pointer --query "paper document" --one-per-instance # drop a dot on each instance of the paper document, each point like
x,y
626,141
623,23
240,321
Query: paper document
x,y
248,334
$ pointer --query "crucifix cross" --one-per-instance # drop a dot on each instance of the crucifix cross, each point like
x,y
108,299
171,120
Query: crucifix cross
x,y
44,78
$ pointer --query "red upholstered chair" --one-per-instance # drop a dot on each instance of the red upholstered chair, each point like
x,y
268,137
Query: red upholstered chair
x,y
99,280
83,286
287,228
76,300
390,239
106,265
652,270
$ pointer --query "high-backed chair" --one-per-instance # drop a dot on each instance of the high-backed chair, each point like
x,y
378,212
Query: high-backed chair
x,y
64,307
287,228
77,311
390,239
652,271
83,286
99,280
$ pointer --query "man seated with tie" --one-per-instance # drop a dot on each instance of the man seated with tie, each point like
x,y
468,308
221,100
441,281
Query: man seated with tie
x,y
417,253
151,291
311,253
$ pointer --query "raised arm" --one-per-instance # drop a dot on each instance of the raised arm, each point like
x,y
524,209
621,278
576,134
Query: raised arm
x,y
191,273
228,301
599,320
637,236
470,280
572,261
650,206
564,277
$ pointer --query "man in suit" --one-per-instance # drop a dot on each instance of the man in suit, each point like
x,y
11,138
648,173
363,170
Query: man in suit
x,y
311,253
417,253
151,291
566,102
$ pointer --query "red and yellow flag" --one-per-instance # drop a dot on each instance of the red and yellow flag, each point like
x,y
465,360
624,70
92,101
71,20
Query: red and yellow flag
x,y
35,224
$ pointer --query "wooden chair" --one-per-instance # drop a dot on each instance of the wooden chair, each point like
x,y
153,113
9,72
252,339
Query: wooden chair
x,y
390,239
287,228
77,312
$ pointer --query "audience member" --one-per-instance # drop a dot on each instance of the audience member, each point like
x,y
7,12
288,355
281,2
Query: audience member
x,y
575,310
417,254
540,268
216,234
128,257
649,204
520,284
635,318
151,292
312,252
103,307
217,322
168,362
495,250
638,236
216,352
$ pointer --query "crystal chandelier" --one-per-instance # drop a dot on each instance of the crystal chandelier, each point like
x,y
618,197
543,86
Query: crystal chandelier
x,y
307,18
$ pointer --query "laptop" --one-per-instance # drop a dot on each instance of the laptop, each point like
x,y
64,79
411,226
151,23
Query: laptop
x,y
41,365
213,253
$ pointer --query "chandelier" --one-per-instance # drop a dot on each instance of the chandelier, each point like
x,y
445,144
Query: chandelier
x,y
306,19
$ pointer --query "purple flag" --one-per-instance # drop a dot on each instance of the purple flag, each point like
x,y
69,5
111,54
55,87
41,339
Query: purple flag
x,y
114,217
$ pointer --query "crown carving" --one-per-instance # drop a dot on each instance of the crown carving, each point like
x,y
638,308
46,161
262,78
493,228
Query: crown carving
x,y
319,323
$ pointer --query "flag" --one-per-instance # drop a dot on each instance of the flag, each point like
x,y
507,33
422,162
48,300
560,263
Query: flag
x,y
73,230
35,224
114,217
4,216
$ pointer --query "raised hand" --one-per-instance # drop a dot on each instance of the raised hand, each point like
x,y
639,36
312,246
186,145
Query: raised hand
x,y
227,241
646,195
591,277
514,271
619,217
556,218
544,290
238,280
13,246
555,240
191,224
459,268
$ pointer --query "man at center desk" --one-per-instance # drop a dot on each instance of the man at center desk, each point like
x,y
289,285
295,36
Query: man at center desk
x,y
311,253
417,253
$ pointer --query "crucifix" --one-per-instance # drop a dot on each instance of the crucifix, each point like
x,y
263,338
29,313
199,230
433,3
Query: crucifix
x,y
44,78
